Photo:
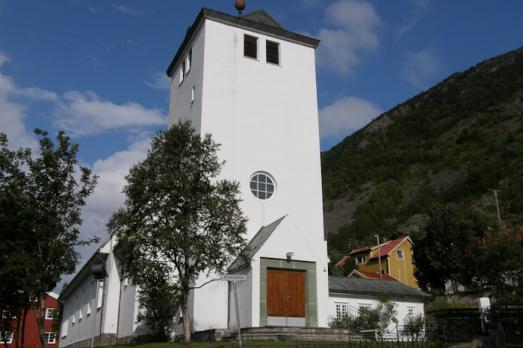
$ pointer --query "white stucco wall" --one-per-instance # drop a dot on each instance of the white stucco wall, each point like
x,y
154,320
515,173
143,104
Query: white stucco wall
x,y
356,301
265,117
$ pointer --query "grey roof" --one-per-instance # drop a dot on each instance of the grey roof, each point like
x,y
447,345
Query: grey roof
x,y
97,258
243,261
360,286
262,17
258,21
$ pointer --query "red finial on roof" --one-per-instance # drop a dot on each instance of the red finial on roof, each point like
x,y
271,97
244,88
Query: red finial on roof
x,y
240,6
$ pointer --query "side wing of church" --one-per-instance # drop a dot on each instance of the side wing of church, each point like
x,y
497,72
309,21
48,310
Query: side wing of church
x,y
252,85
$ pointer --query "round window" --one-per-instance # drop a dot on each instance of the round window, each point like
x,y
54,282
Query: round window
x,y
262,186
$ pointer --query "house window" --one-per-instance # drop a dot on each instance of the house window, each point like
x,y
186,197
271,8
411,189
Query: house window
x,y
50,337
64,327
342,310
100,295
80,315
262,186
73,320
7,336
364,305
188,63
88,311
193,94
360,259
399,253
250,46
50,313
186,67
410,311
272,52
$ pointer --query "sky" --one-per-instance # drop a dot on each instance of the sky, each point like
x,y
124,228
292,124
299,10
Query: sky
x,y
96,68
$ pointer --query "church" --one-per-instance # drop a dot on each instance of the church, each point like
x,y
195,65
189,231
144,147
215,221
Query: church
x,y
251,84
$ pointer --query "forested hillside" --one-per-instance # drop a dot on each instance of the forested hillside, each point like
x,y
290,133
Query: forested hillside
x,y
452,144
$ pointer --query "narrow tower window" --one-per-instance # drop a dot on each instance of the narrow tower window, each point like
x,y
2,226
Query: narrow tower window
x,y
273,52
250,46
193,94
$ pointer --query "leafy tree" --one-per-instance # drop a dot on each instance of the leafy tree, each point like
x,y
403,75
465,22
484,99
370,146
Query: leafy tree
x,y
414,327
449,250
158,306
179,219
40,212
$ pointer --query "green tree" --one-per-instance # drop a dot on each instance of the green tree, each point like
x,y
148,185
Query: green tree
x,y
41,198
448,252
179,219
158,306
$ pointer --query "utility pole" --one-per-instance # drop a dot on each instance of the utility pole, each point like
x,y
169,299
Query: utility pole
x,y
379,254
497,203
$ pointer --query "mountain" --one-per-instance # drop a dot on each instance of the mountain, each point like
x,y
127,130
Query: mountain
x,y
452,144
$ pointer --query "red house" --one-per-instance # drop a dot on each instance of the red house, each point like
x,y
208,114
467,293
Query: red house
x,y
32,339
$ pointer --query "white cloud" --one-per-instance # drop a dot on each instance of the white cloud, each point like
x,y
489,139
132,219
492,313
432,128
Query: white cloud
x,y
107,197
353,32
419,8
3,59
12,112
85,113
420,68
37,94
346,115
128,10
159,81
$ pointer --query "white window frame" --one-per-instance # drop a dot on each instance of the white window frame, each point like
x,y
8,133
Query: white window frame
x,y
188,62
193,94
48,337
410,311
342,309
80,315
73,320
64,328
358,262
10,340
256,192
364,305
100,295
49,313
400,254
88,311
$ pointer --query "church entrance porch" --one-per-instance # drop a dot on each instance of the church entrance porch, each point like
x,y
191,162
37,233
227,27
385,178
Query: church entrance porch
x,y
288,293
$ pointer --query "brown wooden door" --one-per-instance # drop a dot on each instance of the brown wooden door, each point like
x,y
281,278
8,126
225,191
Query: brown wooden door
x,y
285,293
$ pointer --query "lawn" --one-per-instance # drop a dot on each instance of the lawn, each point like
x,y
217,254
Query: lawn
x,y
283,344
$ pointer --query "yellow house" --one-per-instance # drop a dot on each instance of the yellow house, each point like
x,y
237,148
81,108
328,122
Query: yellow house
x,y
393,259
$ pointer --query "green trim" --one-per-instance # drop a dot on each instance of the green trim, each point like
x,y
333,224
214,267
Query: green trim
x,y
311,305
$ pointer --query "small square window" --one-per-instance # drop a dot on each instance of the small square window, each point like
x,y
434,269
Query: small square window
x,y
49,313
7,336
250,46
399,253
50,337
273,52
360,259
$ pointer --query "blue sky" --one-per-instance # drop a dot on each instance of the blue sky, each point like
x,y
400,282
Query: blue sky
x,y
96,67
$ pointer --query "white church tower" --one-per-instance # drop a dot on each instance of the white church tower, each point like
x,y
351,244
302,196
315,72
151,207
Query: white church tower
x,y
251,84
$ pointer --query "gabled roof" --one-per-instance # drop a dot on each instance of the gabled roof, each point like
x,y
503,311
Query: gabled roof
x,y
97,258
243,261
262,17
360,250
258,21
370,275
374,287
388,247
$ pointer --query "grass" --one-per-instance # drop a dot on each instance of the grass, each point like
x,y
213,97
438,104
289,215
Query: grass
x,y
283,344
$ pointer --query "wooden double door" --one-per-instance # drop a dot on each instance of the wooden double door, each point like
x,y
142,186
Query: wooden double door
x,y
285,293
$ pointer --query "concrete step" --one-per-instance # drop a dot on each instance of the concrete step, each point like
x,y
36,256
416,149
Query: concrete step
x,y
278,333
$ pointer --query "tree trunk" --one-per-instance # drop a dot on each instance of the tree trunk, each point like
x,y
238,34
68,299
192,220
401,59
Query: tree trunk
x,y
24,319
16,334
39,312
186,325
